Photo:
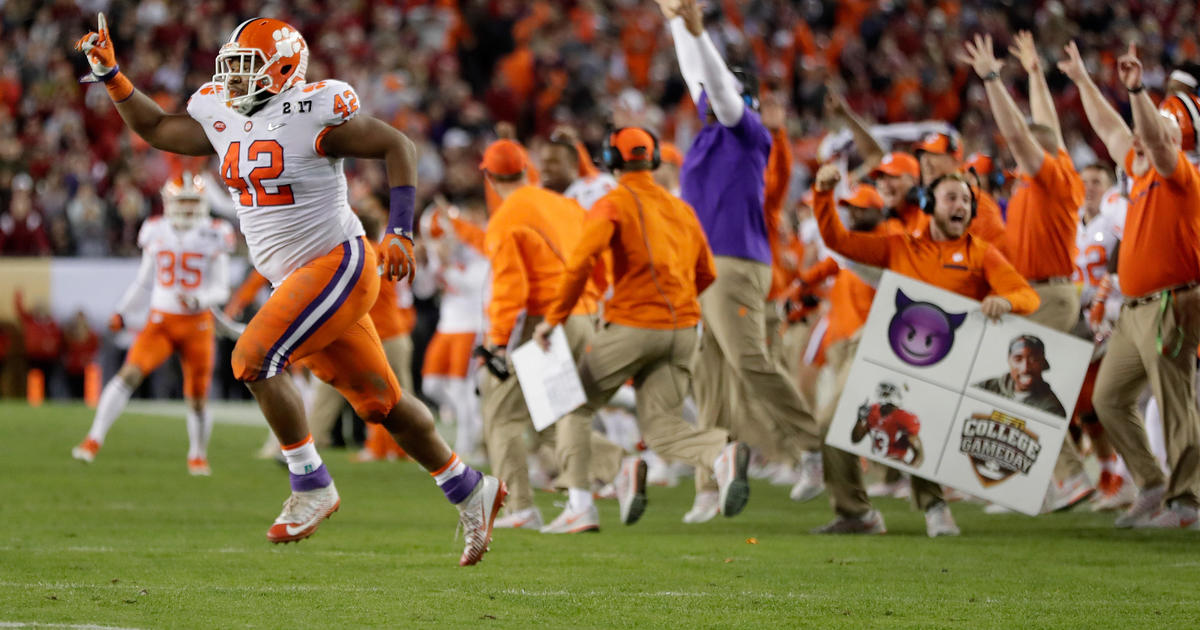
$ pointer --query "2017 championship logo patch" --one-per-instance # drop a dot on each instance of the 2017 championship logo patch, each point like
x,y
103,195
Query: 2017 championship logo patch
x,y
999,445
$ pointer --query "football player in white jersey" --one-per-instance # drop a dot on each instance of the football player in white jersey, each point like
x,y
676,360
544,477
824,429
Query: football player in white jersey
x,y
463,276
184,271
1096,239
281,142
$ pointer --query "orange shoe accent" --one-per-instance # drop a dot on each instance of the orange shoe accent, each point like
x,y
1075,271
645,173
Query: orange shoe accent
x,y
199,466
90,445
35,388
279,531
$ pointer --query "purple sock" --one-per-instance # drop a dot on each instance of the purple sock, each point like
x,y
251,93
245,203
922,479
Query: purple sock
x,y
459,488
314,480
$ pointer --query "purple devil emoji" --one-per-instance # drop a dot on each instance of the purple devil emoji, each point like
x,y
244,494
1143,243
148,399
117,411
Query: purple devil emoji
x,y
921,333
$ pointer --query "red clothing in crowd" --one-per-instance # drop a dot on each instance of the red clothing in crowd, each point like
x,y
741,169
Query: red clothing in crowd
x,y
25,237
80,351
43,339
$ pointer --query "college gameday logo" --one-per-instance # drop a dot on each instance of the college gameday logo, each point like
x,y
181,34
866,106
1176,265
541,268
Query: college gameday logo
x,y
998,445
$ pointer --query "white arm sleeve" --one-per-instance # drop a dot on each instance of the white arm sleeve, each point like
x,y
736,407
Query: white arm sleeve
x,y
687,49
702,66
138,293
217,290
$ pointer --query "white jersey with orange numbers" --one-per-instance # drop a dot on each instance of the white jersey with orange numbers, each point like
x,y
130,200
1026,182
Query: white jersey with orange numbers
x,y
1096,241
290,197
464,281
178,267
588,190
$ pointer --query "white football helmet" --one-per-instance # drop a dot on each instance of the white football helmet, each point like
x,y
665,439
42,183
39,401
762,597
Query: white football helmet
x,y
184,203
889,393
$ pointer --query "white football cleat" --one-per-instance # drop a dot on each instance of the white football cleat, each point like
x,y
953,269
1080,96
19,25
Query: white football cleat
x,y
812,477
86,451
996,508
729,470
302,513
631,489
572,522
704,509
198,467
939,521
477,514
523,519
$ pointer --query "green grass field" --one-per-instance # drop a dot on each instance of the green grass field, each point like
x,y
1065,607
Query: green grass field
x,y
132,541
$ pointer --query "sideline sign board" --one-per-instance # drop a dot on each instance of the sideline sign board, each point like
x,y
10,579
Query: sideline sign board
x,y
938,391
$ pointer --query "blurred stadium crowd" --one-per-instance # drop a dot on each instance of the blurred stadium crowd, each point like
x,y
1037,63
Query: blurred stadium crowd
x,y
75,182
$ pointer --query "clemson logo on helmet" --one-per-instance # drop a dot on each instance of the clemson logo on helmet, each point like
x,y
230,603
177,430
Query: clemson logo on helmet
x,y
287,42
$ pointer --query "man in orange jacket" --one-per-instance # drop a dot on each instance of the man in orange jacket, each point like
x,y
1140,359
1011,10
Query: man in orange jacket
x,y
661,263
946,256
527,239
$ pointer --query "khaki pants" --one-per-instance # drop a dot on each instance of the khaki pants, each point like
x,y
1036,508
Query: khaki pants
x,y
659,363
327,402
795,340
1132,360
773,327
1060,311
737,383
506,421
843,474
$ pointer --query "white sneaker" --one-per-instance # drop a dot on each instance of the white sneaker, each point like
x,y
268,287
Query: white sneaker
x,y
1066,494
524,519
572,522
996,508
704,509
1148,502
869,523
631,489
812,477
302,513
729,470
1121,498
477,514
939,521
1174,516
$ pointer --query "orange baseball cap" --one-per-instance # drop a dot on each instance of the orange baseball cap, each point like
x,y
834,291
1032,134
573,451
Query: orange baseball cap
x,y
981,162
864,196
634,144
671,154
503,158
898,163
942,144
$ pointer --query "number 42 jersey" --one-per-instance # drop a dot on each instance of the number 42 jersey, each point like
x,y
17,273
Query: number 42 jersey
x,y
290,197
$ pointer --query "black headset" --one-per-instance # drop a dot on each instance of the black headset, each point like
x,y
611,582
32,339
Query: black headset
x,y
927,201
749,83
611,155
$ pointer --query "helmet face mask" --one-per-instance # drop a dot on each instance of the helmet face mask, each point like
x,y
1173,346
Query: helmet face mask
x,y
889,393
262,58
184,205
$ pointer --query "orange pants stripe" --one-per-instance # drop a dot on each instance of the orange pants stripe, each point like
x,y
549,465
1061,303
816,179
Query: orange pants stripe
x,y
190,336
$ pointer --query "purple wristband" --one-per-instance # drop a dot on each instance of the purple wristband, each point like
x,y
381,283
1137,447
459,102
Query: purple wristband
x,y
400,217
